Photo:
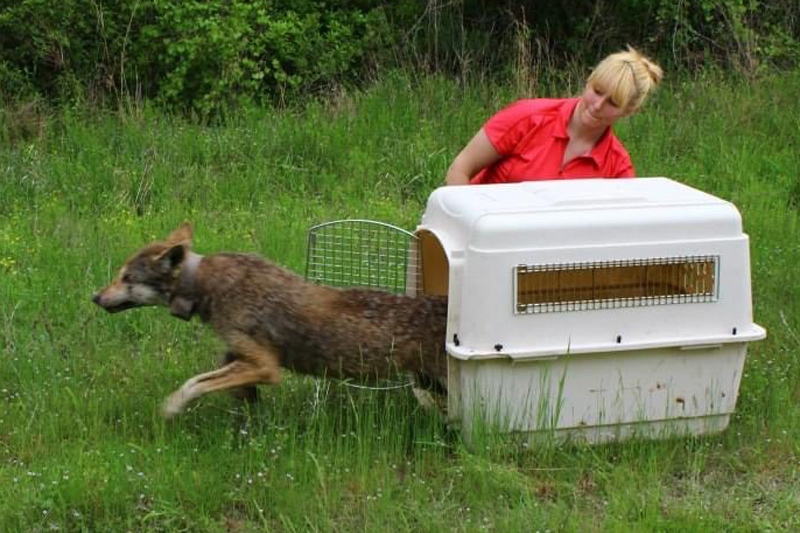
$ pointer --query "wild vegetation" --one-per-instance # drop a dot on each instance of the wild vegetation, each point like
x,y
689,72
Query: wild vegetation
x,y
82,443
204,57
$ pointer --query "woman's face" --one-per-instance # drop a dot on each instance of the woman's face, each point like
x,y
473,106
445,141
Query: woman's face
x,y
596,109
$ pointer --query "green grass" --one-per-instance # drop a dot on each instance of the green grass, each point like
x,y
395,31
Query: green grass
x,y
82,443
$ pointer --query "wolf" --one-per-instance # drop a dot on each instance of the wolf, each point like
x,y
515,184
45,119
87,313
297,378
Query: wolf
x,y
270,318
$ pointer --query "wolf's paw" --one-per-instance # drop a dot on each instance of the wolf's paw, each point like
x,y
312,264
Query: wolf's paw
x,y
429,402
173,405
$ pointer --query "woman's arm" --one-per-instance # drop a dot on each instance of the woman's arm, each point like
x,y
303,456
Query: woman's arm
x,y
478,154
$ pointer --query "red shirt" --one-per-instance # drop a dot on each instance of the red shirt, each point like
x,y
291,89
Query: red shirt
x,y
531,135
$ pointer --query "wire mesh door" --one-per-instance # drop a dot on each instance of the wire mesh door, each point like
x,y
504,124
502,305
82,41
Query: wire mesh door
x,y
363,253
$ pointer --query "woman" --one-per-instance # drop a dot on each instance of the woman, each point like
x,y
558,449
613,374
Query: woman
x,y
567,138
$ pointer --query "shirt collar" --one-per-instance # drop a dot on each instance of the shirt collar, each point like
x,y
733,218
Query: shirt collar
x,y
600,151
564,113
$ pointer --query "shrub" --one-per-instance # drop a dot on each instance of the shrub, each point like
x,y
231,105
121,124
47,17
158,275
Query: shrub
x,y
201,56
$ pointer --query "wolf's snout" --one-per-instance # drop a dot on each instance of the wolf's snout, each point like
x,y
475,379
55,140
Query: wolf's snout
x,y
96,298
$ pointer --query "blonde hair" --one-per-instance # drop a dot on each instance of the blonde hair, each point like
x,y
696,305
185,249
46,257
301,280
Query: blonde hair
x,y
627,77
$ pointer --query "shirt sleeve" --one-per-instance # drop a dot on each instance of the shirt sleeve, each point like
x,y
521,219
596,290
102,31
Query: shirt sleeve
x,y
626,170
620,164
508,127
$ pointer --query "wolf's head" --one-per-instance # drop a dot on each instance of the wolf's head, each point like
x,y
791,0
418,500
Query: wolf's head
x,y
149,276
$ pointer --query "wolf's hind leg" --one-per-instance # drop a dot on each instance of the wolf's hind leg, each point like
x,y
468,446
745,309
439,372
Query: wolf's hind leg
x,y
255,364
430,394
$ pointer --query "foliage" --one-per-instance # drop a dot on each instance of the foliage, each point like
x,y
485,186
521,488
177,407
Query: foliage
x,y
190,55
204,56
744,34
210,53
82,444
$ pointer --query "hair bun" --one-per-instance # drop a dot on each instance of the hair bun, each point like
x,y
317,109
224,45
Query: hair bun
x,y
628,76
655,72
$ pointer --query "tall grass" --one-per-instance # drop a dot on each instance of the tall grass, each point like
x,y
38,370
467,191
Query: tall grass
x,y
82,443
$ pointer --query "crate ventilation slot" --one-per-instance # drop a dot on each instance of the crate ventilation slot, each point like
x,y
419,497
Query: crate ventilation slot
x,y
615,284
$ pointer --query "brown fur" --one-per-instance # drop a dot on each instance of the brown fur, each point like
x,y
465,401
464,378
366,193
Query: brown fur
x,y
271,318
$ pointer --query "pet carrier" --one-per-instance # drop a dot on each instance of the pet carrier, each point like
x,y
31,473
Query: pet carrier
x,y
596,309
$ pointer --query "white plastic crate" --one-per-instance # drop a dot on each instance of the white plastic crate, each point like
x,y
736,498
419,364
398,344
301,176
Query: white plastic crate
x,y
595,308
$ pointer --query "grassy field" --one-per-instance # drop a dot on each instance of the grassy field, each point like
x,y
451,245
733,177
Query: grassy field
x,y
83,446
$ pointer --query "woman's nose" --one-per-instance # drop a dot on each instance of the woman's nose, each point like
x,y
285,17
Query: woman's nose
x,y
598,104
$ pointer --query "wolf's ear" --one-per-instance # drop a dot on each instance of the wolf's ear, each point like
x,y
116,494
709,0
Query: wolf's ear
x,y
171,258
182,235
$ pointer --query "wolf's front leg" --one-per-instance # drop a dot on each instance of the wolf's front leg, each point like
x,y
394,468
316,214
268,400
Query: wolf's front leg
x,y
254,364
248,394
